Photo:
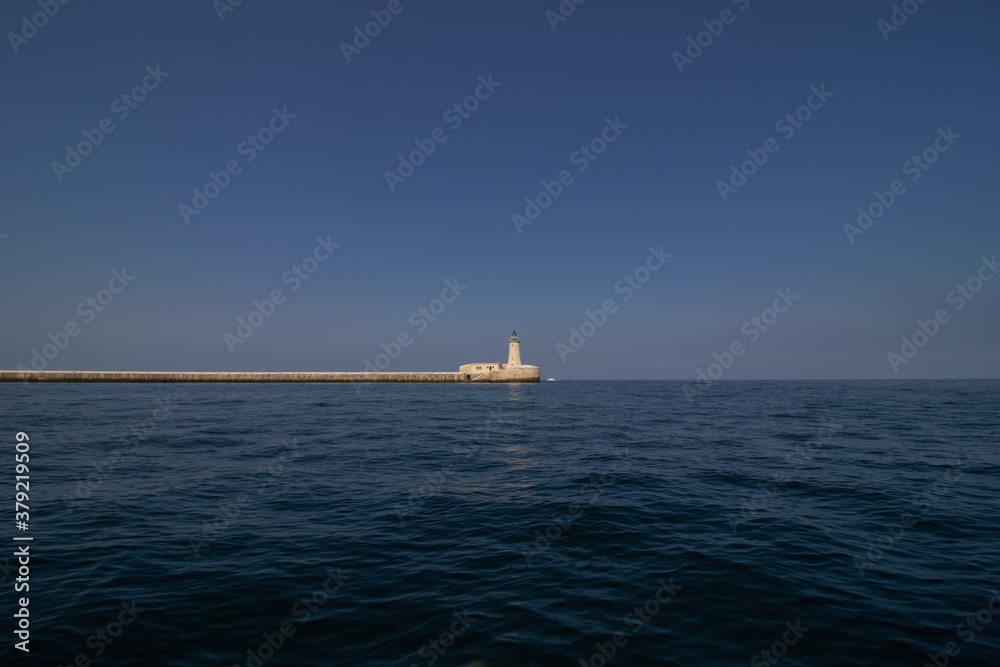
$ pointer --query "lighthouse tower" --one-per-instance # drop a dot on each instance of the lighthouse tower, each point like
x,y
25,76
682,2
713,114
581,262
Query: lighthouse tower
x,y
512,371
514,356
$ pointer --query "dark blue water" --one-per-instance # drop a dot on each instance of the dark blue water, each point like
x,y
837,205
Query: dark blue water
x,y
828,523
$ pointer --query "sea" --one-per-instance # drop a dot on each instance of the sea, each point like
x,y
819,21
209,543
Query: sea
x,y
561,523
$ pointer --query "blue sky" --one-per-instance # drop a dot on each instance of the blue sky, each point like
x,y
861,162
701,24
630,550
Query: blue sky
x,y
551,92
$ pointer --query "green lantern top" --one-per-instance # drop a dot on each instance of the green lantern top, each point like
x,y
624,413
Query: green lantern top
x,y
513,336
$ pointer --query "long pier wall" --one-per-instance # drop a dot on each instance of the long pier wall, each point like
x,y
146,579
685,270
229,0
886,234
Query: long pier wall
x,y
138,377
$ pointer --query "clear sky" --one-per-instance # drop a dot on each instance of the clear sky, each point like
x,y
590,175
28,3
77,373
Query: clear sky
x,y
641,124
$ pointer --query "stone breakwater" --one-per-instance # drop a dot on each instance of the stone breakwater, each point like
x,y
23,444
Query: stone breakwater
x,y
124,376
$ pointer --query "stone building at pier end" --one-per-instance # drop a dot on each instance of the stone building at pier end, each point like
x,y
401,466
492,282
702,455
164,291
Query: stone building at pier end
x,y
512,371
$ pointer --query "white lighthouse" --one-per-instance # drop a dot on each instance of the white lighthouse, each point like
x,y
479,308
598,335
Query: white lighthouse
x,y
514,356
512,371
